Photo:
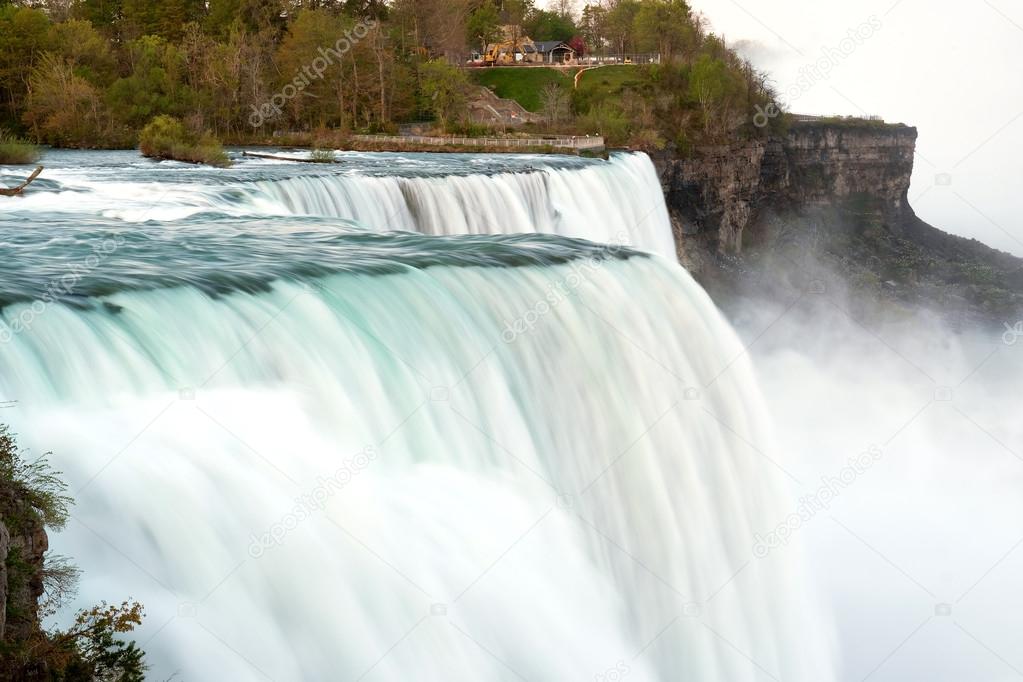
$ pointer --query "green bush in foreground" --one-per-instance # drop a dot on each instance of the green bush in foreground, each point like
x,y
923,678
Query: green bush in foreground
x,y
14,150
165,137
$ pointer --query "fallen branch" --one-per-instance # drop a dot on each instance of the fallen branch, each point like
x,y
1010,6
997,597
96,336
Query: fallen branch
x,y
259,155
14,191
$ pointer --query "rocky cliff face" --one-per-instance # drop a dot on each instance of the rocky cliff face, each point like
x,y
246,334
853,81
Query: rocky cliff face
x,y
23,545
830,198
719,199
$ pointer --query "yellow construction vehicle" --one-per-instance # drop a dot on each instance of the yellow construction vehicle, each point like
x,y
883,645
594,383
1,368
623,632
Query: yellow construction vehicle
x,y
512,51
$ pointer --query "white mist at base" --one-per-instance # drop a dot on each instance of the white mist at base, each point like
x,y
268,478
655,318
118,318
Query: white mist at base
x,y
919,555
575,501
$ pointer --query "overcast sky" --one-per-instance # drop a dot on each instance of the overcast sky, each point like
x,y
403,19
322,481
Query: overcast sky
x,y
953,69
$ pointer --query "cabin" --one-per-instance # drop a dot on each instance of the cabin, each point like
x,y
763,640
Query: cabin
x,y
517,48
554,52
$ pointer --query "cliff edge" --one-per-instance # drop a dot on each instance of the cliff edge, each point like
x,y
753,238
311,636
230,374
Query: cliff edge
x,y
826,206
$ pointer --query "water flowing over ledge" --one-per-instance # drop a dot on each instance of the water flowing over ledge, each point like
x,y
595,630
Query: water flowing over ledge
x,y
397,457
617,201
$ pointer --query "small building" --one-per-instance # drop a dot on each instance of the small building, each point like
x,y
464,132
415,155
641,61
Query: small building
x,y
554,52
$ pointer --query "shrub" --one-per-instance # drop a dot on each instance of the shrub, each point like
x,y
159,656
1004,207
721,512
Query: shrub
x,y
14,150
470,129
322,156
33,483
608,121
92,649
165,137
647,140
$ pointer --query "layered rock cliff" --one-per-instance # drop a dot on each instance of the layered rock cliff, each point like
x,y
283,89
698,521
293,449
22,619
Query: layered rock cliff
x,y
828,201
23,545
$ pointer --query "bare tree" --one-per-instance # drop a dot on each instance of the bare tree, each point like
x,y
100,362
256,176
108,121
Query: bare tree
x,y
555,104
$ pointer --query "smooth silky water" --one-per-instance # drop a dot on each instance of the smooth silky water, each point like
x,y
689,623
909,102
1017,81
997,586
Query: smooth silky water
x,y
347,423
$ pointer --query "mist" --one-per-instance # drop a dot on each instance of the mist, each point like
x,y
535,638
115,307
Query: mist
x,y
916,550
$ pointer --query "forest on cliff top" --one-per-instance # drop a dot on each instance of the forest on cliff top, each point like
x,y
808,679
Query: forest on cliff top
x,y
94,73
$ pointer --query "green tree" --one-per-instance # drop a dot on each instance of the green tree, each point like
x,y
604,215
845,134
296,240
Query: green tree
x,y
64,109
719,92
155,85
446,88
253,16
24,36
619,25
86,49
105,15
166,19
484,25
664,26
593,27
314,78
544,25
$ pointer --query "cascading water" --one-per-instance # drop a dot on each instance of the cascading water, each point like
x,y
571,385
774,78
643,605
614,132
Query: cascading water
x,y
618,201
315,452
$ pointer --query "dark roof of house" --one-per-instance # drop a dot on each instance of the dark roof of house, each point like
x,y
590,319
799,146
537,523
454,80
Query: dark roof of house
x,y
545,46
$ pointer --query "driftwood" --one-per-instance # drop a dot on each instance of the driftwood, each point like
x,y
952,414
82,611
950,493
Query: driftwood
x,y
259,155
15,191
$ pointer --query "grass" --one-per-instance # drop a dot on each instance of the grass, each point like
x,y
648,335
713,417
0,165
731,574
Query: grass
x,y
16,151
165,137
609,80
523,84
597,86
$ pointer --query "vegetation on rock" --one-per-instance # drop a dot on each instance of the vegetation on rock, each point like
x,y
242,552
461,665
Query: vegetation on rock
x,y
37,584
15,151
167,138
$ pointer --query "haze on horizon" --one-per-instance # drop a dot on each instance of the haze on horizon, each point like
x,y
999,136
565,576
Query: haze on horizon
x,y
949,68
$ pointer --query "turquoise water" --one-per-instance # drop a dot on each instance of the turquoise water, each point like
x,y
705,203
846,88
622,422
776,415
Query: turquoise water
x,y
468,444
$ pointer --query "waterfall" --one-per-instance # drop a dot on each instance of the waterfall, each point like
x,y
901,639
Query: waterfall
x,y
596,202
398,457
617,201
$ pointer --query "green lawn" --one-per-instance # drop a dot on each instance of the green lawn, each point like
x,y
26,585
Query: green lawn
x,y
523,84
607,82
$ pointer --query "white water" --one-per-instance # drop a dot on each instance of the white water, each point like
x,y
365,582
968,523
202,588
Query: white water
x,y
617,201
551,505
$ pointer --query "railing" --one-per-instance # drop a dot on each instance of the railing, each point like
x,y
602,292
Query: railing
x,y
591,142
577,61
636,58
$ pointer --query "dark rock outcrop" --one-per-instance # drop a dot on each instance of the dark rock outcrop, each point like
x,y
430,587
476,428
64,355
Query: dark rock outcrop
x,y
23,545
829,201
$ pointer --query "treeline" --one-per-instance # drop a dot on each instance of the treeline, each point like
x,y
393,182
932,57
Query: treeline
x,y
93,73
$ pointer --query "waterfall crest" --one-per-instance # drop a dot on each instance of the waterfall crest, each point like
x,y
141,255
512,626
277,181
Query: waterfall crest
x,y
539,459
618,202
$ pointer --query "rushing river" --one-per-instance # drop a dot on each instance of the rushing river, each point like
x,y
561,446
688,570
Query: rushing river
x,y
407,417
